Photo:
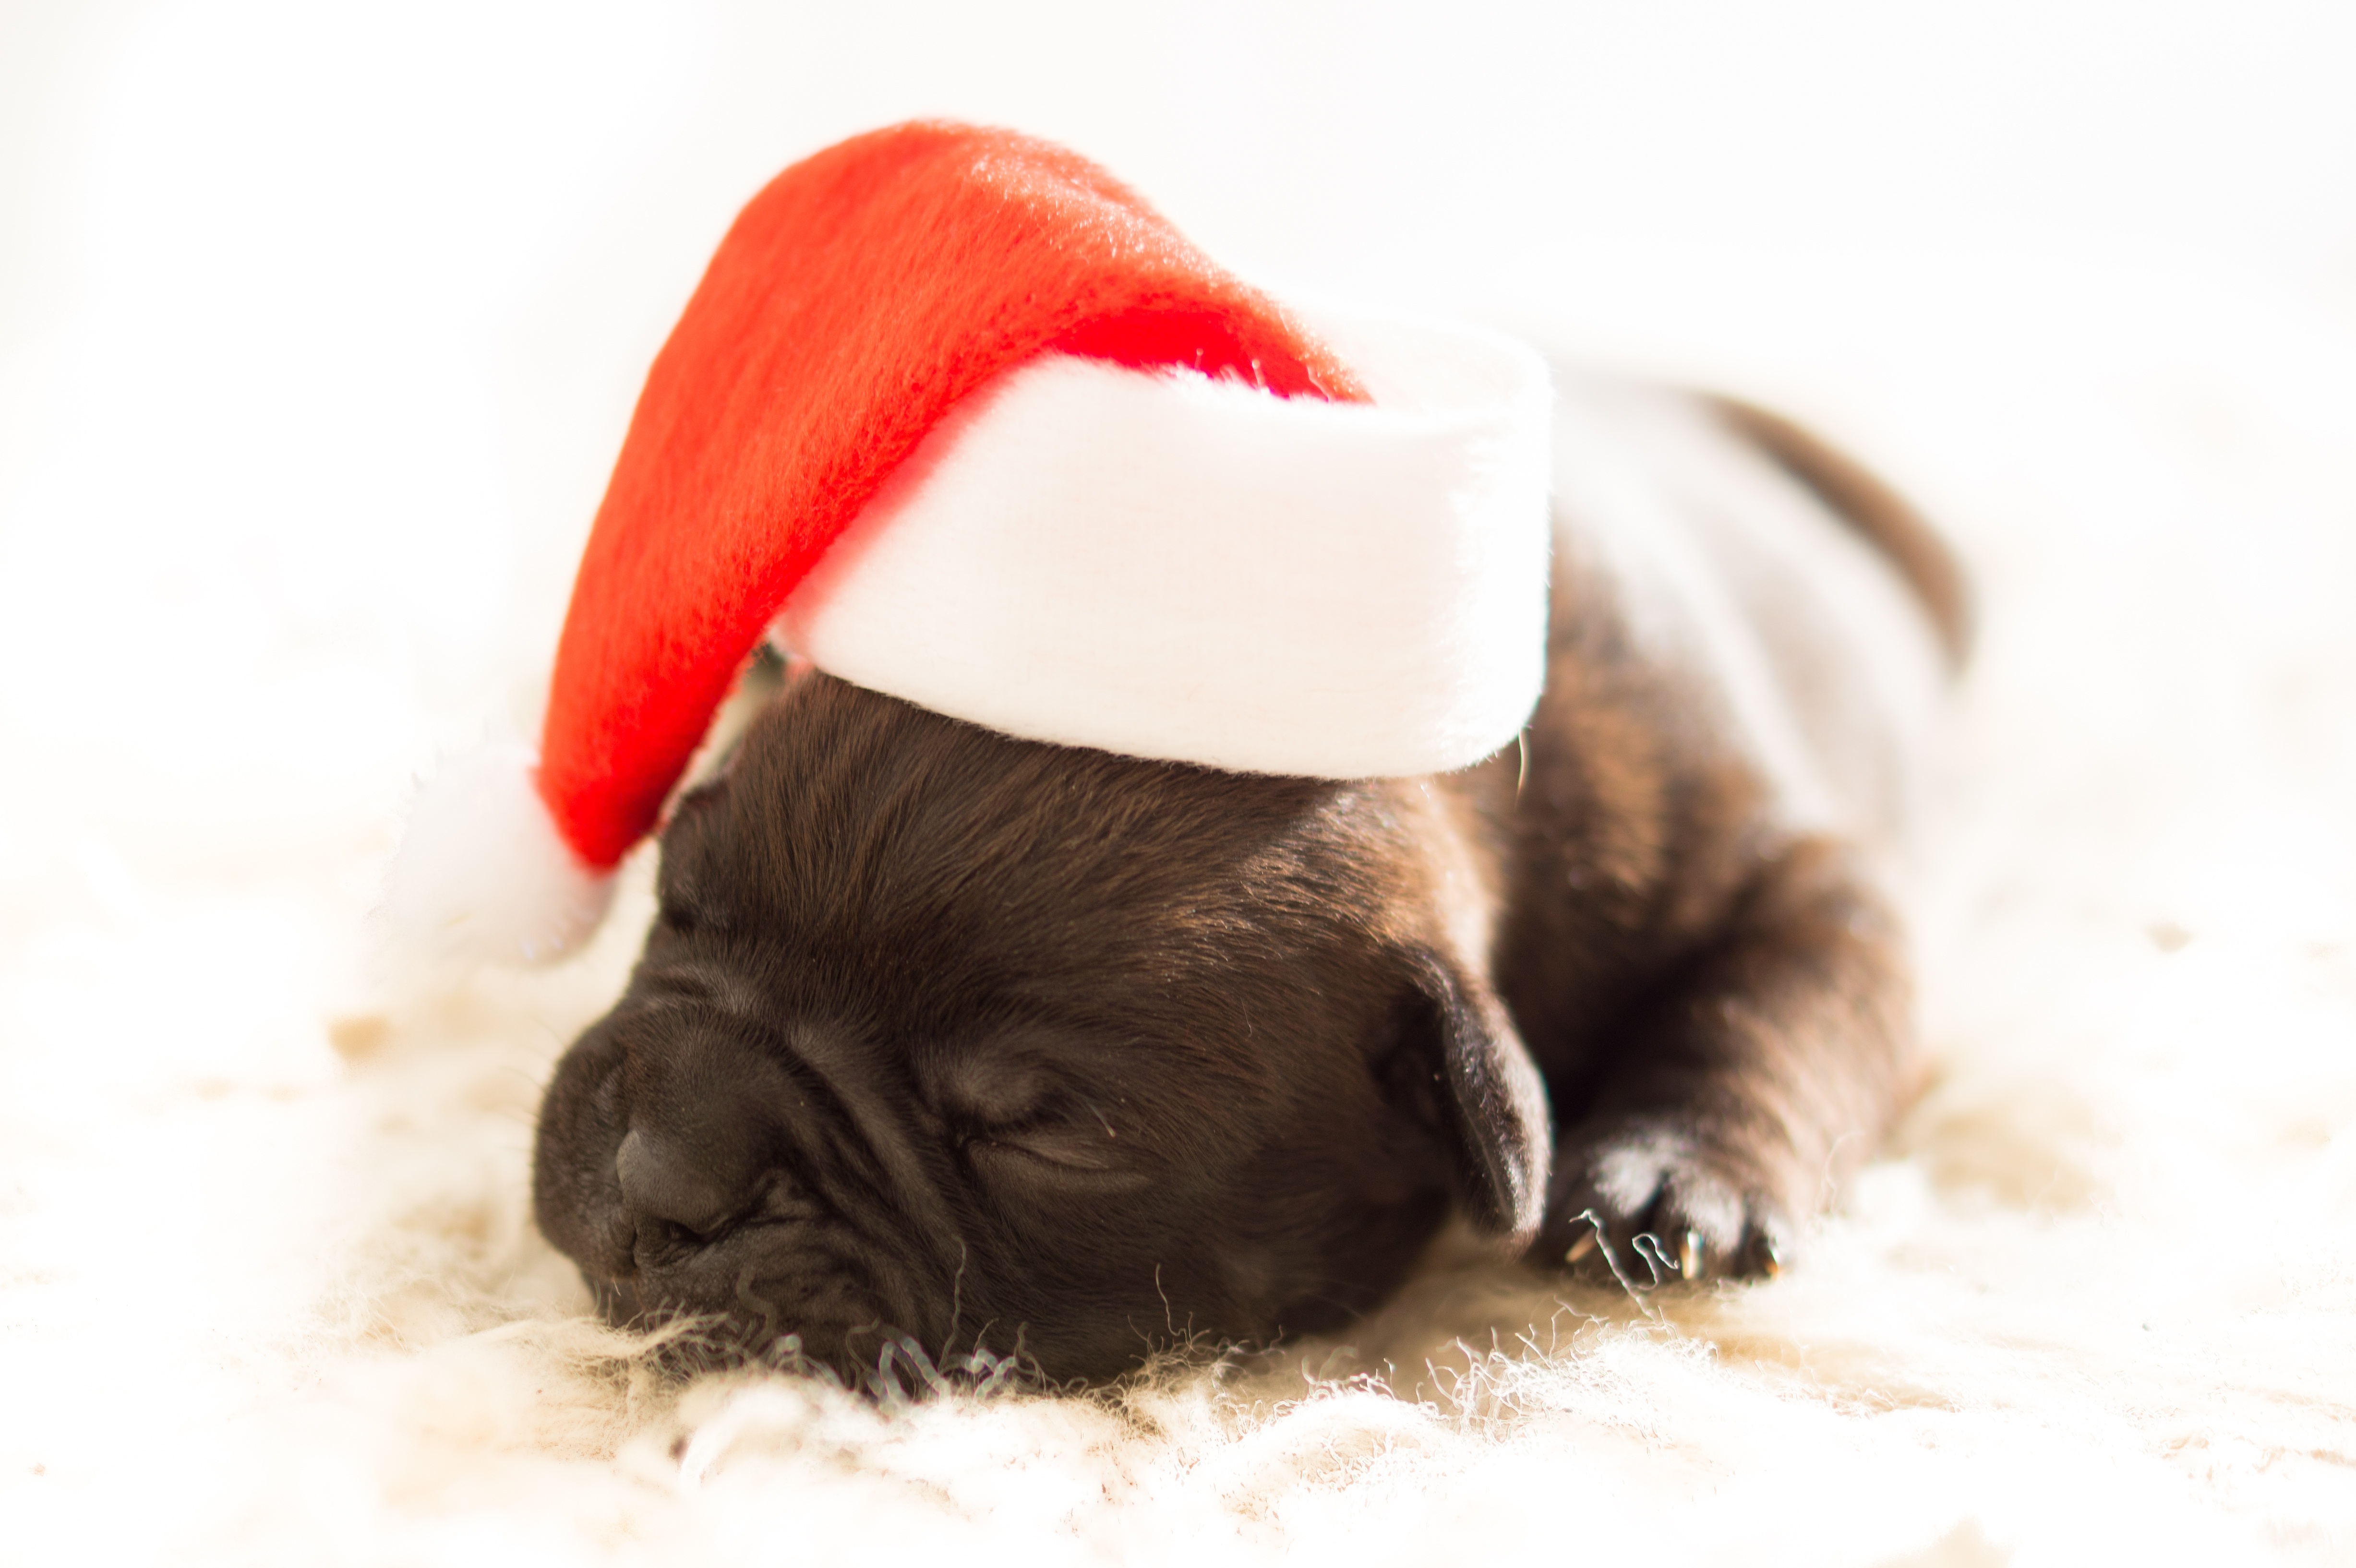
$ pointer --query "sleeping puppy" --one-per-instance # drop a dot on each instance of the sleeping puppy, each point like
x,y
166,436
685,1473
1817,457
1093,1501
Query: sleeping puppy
x,y
949,1041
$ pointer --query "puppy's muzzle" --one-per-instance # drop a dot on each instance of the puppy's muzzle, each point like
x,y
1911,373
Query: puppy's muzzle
x,y
754,1262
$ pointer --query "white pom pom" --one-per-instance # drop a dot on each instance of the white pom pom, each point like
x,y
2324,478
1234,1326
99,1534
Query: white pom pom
x,y
482,873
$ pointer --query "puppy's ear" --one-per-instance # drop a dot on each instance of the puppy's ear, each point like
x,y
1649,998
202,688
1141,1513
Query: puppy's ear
x,y
1465,1071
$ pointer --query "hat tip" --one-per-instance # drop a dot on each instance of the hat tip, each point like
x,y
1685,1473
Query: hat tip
x,y
483,874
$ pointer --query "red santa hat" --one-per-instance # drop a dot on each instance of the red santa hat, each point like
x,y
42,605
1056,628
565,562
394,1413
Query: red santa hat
x,y
958,417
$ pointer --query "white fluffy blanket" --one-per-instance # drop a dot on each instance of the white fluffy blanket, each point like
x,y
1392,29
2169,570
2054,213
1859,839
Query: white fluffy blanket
x,y
268,1291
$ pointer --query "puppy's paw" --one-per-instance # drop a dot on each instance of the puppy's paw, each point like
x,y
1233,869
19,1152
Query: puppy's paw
x,y
1652,1203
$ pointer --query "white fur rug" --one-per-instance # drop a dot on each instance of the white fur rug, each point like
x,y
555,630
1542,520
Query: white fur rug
x,y
268,1287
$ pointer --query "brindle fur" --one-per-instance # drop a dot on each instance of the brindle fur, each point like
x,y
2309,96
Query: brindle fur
x,y
953,1041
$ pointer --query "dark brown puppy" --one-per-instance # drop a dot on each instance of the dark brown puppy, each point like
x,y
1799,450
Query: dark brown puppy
x,y
949,1041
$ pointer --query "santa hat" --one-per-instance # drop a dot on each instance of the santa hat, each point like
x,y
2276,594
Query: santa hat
x,y
958,417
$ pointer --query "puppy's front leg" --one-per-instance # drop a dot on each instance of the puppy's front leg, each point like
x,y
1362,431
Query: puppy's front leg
x,y
1764,1068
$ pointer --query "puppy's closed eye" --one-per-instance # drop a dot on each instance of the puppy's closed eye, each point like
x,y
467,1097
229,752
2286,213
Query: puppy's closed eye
x,y
1060,1144
1021,1119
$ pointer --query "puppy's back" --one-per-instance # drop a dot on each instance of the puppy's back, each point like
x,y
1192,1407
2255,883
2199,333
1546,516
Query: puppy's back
x,y
1817,639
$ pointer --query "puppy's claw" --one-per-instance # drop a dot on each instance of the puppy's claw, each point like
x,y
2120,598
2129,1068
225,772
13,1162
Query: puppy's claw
x,y
1686,1211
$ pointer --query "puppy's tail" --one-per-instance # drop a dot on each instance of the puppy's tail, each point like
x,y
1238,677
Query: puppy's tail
x,y
1874,509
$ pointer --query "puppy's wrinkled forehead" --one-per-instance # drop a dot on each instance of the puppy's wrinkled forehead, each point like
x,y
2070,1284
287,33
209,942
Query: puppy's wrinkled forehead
x,y
855,837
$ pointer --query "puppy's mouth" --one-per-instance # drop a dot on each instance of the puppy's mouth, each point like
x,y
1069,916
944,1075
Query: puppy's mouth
x,y
788,1284
756,1331
835,1339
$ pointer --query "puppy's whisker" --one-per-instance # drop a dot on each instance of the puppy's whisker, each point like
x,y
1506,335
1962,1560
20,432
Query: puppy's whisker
x,y
956,1296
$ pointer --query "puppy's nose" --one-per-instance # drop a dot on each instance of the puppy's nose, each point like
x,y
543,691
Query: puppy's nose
x,y
663,1180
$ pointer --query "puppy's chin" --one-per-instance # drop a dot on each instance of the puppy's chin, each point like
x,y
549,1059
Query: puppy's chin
x,y
785,1335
